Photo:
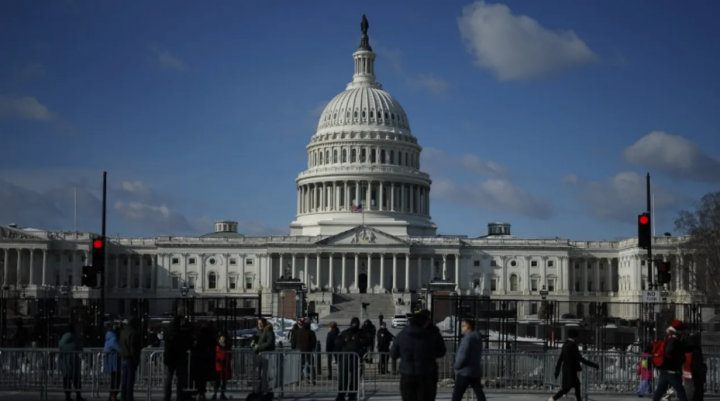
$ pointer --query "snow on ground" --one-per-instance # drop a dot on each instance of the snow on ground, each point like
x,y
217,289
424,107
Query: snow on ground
x,y
281,333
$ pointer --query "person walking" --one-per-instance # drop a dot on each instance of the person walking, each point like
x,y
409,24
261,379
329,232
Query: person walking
x,y
468,370
380,319
644,370
351,341
70,363
265,343
306,343
203,359
668,358
571,361
694,370
130,349
418,346
112,360
332,335
178,341
223,366
384,338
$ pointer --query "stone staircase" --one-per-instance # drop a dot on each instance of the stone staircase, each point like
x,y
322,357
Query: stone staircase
x,y
346,306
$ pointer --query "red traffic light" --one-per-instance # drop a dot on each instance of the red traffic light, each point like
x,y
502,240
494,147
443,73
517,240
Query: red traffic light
x,y
98,244
644,219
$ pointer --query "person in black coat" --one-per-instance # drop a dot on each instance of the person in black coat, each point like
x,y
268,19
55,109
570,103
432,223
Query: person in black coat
x,y
203,358
418,346
384,338
352,340
570,362
332,335
178,341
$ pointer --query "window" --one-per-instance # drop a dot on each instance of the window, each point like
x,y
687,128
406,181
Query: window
x,y
533,308
372,155
551,263
212,261
493,263
371,114
249,262
335,159
577,265
233,261
513,282
533,263
382,156
392,157
320,160
191,261
513,263
602,286
493,284
476,263
353,155
212,280
363,114
355,114
399,159
551,284
249,282
589,286
191,282
533,284
233,282
577,286
344,155
148,282
176,261
362,155
327,157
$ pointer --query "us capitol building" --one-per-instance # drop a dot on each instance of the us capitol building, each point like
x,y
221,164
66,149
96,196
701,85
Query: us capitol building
x,y
363,154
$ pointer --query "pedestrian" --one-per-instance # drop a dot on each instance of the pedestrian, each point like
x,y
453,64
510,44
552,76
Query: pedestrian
x,y
644,370
178,342
332,335
694,370
70,363
668,358
306,343
384,338
293,336
418,346
112,360
352,343
570,363
130,349
203,359
370,331
223,365
380,319
468,370
265,343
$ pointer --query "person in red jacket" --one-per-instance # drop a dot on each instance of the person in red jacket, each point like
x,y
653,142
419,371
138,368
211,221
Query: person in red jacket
x,y
223,365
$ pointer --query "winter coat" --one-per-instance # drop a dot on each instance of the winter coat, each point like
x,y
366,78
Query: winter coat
x,y
178,341
306,339
112,352
351,340
418,349
330,339
223,361
266,340
204,355
468,356
69,361
130,341
644,369
570,361
384,338
674,358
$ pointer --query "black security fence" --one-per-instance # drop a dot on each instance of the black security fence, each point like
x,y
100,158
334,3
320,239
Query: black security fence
x,y
539,324
41,322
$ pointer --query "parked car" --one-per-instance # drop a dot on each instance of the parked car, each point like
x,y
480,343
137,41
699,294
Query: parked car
x,y
399,321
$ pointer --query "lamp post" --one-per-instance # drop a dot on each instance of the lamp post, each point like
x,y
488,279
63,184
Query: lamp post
x,y
183,293
282,310
546,313
298,307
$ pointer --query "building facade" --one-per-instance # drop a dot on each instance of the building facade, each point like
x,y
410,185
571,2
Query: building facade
x,y
363,225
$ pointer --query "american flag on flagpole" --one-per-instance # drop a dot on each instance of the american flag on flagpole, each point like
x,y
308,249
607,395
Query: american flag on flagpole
x,y
356,209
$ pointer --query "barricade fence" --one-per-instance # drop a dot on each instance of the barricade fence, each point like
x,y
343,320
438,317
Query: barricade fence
x,y
288,373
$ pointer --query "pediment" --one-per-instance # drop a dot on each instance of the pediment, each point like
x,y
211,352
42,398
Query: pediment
x,y
363,235
8,233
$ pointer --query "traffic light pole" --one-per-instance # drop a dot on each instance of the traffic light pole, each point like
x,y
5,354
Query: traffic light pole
x,y
649,248
102,272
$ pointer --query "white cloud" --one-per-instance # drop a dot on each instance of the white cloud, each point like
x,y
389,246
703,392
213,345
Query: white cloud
x,y
158,218
167,60
429,83
496,195
438,161
27,108
623,197
517,47
135,187
674,156
570,179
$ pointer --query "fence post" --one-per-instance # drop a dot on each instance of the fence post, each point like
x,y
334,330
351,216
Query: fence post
x,y
584,385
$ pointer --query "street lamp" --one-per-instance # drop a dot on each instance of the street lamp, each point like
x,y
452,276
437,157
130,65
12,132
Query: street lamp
x,y
183,291
298,308
282,310
546,313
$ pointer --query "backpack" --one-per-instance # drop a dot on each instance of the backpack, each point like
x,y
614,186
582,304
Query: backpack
x,y
658,353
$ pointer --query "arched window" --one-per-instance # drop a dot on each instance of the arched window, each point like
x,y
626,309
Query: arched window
x,y
513,282
327,157
382,156
392,157
363,114
371,114
372,155
212,280
407,159
320,160
344,155
353,156
399,158
334,155
362,155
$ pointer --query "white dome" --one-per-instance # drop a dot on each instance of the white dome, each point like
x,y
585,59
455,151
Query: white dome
x,y
364,106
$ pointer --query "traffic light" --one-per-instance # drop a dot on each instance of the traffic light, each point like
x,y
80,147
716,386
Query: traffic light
x,y
664,273
89,277
98,260
644,231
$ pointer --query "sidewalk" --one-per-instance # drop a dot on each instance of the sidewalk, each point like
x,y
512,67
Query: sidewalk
x,y
15,396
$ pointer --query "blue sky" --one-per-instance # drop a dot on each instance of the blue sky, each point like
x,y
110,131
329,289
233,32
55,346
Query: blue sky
x,y
544,114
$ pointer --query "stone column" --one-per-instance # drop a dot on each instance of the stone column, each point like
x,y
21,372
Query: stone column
x,y
343,285
153,271
6,267
294,269
317,270
392,196
307,271
331,276
44,268
32,266
129,270
141,275
394,273
382,271
19,267
444,268
357,276
407,272
369,272
117,271
458,260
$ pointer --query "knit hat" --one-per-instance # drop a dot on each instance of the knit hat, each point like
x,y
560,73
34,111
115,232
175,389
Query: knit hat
x,y
676,325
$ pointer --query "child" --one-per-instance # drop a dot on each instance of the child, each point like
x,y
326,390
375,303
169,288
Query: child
x,y
644,370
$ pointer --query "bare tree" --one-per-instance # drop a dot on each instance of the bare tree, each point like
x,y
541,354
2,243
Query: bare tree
x,y
703,230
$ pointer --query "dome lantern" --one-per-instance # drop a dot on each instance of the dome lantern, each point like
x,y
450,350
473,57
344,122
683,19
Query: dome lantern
x,y
364,62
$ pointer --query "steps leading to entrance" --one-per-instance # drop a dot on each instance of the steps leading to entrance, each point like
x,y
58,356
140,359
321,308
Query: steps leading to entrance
x,y
347,306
